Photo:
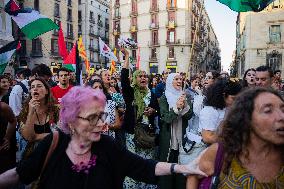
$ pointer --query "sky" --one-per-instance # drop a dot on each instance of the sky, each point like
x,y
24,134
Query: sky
x,y
223,20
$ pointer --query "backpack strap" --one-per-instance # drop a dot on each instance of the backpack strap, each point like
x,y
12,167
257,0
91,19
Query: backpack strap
x,y
25,89
51,149
217,167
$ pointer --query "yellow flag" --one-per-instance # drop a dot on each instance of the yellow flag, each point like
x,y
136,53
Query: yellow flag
x,y
83,54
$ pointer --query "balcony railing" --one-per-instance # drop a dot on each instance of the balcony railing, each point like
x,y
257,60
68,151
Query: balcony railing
x,y
116,31
133,29
171,24
92,33
175,42
154,26
117,16
100,23
171,8
133,13
154,9
92,20
154,43
153,58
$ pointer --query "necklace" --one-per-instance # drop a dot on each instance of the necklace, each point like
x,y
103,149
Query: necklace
x,y
76,153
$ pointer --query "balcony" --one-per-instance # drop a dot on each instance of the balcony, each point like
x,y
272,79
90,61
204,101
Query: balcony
x,y
133,29
154,43
93,34
171,8
154,26
154,9
70,35
117,16
92,20
171,57
175,42
133,14
153,58
100,23
171,24
116,32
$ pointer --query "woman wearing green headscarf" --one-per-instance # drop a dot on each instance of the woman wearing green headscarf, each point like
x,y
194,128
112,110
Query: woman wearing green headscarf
x,y
141,106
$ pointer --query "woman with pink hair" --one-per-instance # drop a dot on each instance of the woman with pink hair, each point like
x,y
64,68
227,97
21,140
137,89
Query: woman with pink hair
x,y
83,157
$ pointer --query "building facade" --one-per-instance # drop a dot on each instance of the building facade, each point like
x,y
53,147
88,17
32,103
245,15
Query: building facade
x,y
259,39
44,49
5,30
175,35
93,17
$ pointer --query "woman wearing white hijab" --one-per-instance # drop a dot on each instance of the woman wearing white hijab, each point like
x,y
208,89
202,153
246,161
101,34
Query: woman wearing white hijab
x,y
175,111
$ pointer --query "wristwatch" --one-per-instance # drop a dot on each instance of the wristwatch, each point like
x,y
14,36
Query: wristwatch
x,y
173,168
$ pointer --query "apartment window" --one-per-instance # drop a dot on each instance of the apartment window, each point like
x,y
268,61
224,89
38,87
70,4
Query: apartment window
x,y
79,2
69,2
36,47
275,34
134,6
154,5
91,15
107,23
100,22
57,22
154,19
92,56
155,37
134,21
91,29
134,54
69,15
91,42
274,61
171,36
69,46
117,25
172,3
171,52
56,10
276,4
36,5
116,12
79,16
54,46
154,53
70,30
134,36
79,29
172,16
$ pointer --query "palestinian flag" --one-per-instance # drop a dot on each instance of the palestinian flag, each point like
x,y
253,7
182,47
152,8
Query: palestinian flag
x,y
246,5
31,23
6,54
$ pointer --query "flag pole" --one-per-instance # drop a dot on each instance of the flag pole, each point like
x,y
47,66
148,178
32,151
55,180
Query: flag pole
x,y
194,38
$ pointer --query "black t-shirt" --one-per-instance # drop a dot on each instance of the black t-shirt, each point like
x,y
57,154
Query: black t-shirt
x,y
112,165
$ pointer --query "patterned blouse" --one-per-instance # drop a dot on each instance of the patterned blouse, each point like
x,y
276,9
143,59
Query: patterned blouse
x,y
240,178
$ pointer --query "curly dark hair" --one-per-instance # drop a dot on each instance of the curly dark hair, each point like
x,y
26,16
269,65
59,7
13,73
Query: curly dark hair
x,y
214,95
236,128
52,108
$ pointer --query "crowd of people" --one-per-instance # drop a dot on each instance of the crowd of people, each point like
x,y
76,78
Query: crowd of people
x,y
134,130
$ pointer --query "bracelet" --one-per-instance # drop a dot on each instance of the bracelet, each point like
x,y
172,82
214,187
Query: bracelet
x,y
173,168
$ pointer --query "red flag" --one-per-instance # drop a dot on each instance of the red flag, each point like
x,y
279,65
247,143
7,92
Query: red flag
x,y
14,6
71,58
61,44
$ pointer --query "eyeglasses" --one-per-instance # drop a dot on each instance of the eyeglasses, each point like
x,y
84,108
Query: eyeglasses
x,y
145,76
94,118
